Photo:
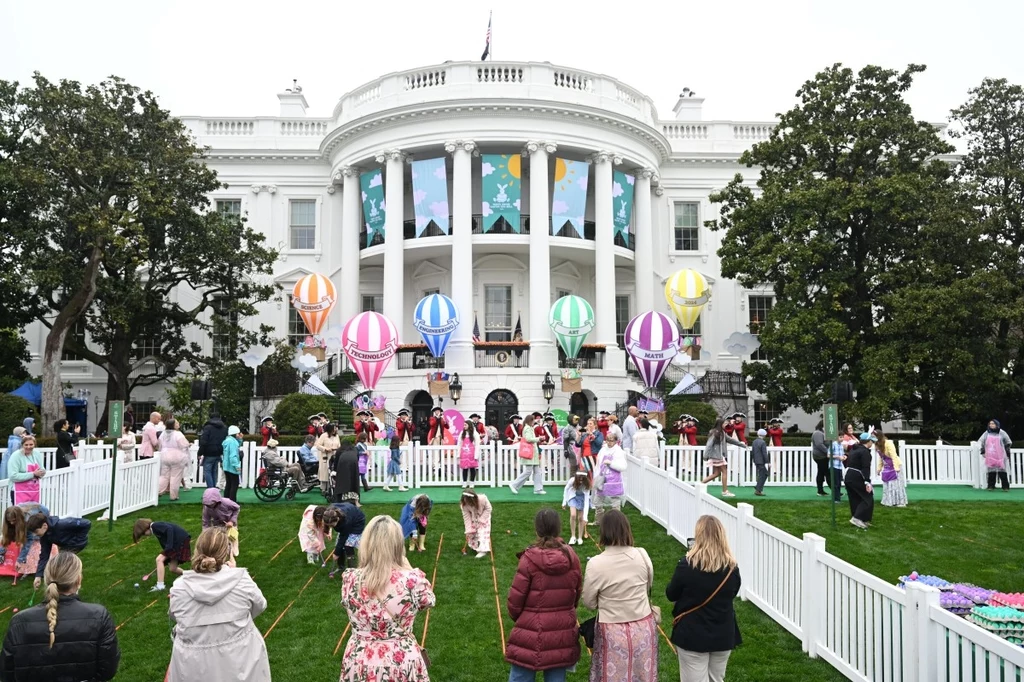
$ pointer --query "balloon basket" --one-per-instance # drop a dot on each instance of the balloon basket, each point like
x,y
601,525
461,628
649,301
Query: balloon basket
x,y
437,388
572,385
318,353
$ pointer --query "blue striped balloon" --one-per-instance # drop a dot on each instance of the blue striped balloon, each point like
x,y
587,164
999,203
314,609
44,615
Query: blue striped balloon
x,y
436,318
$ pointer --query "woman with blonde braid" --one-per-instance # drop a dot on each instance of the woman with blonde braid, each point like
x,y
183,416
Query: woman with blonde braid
x,y
62,638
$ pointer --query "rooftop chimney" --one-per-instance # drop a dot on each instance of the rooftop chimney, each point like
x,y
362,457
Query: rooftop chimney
x,y
688,107
293,102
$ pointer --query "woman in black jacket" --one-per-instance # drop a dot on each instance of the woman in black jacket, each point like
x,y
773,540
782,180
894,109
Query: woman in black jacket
x,y
62,638
858,482
65,443
706,581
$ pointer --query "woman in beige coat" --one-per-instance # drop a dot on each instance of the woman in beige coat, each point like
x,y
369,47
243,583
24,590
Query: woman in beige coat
x,y
213,607
326,445
174,458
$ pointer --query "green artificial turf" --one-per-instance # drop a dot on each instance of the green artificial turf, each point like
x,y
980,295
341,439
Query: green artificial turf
x,y
463,636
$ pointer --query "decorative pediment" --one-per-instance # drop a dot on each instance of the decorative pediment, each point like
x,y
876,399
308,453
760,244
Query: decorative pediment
x,y
566,269
292,276
499,262
428,268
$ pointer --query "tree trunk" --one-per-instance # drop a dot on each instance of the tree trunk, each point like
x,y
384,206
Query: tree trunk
x,y
53,389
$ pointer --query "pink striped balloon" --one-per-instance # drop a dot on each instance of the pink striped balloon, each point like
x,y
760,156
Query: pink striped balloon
x,y
652,340
369,340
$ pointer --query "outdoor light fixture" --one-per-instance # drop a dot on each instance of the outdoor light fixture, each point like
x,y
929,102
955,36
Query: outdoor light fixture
x,y
548,387
455,388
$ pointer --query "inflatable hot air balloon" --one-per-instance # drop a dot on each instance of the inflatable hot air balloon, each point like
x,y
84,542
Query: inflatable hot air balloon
x,y
571,319
314,296
435,318
369,340
652,340
687,292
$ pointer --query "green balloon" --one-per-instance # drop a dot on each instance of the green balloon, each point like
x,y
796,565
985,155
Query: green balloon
x,y
561,417
571,319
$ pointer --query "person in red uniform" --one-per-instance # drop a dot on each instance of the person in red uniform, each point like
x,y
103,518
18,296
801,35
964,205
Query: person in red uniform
x,y
740,427
538,428
603,423
728,427
366,425
514,430
550,429
690,430
314,426
439,427
267,430
775,432
404,428
479,426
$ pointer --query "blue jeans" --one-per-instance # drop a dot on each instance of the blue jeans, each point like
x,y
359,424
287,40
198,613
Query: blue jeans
x,y
210,467
523,675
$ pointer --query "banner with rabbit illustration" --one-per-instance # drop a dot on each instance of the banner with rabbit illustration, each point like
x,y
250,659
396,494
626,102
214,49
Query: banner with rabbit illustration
x,y
569,195
622,199
372,186
430,194
501,182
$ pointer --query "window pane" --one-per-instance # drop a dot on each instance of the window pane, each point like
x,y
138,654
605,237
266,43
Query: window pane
x,y
224,341
303,224
296,327
687,227
764,411
373,303
498,309
77,333
759,306
303,213
621,319
230,207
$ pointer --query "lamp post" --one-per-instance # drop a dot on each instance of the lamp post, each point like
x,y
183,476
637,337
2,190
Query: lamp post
x,y
455,388
96,404
548,388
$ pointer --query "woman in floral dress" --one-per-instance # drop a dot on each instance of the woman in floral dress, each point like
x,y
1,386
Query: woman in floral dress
x,y
382,598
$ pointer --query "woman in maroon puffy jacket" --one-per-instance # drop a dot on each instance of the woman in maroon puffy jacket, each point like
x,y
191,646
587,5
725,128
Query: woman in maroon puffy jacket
x,y
542,602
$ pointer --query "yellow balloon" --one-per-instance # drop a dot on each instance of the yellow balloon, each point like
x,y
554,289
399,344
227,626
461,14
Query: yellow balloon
x,y
687,292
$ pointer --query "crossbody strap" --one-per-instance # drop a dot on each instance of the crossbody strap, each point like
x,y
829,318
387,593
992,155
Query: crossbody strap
x,y
706,601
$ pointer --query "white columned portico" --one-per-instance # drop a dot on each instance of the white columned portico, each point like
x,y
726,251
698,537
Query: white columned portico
x,y
604,260
643,249
394,237
543,353
350,207
459,355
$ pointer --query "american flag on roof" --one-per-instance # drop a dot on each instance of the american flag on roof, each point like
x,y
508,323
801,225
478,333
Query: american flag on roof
x,y
487,45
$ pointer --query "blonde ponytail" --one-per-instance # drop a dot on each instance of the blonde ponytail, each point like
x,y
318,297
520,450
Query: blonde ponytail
x,y
213,550
63,575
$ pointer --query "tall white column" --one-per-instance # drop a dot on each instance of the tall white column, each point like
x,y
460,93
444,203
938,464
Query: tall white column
x,y
351,209
459,355
394,238
604,260
643,248
543,353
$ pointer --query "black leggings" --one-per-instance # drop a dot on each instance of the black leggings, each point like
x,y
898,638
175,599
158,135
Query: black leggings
x,y
1004,480
231,486
821,477
469,474
862,503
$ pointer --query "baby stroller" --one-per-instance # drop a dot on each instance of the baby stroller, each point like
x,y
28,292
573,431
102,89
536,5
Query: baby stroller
x,y
273,482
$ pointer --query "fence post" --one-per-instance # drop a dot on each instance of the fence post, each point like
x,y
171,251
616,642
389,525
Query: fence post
x,y
812,591
75,489
643,488
919,655
702,492
743,550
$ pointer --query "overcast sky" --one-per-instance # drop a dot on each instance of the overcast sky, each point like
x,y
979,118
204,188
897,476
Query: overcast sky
x,y
227,57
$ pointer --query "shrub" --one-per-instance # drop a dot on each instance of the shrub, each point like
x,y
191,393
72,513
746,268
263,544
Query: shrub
x,y
13,411
292,414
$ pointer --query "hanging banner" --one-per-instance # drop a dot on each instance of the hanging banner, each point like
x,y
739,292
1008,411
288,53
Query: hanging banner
x,y
430,194
500,180
372,185
622,198
569,198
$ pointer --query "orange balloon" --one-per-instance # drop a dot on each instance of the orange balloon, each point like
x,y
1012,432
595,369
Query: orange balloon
x,y
314,297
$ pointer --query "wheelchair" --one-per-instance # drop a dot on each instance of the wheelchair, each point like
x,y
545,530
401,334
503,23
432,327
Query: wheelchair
x,y
274,482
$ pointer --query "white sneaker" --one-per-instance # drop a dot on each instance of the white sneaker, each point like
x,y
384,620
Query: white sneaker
x,y
540,492
514,490
465,485
402,488
728,494
159,587
481,555
473,485
386,489
572,540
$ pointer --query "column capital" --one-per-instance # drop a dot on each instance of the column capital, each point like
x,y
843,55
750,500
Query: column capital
x,y
331,188
534,146
345,172
451,146
646,173
605,157
270,189
391,155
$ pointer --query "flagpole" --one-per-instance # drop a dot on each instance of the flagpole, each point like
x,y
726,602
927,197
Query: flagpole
x,y
490,25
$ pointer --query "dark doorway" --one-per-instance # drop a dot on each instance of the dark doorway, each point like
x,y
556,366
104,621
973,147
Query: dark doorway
x,y
579,405
421,405
500,405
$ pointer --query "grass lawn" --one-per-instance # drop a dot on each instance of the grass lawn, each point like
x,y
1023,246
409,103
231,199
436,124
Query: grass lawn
x,y
464,631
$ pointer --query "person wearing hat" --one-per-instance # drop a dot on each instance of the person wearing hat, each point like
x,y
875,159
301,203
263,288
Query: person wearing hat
x,y
775,432
479,426
273,459
231,461
267,430
538,428
728,428
603,423
440,427
858,482
740,427
365,425
514,430
404,428
548,430
314,426
762,461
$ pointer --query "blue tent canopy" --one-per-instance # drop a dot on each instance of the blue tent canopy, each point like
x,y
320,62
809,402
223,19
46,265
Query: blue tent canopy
x,y
34,394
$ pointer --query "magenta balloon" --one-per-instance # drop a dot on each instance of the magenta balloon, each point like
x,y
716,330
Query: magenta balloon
x,y
369,340
652,340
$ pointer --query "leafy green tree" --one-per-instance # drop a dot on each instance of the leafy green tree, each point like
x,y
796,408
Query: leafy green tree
x,y
13,357
232,389
121,221
13,411
851,188
292,414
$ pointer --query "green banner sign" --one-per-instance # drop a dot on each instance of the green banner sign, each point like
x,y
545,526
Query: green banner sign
x,y
501,183
372,185
115,418
622,199
831,421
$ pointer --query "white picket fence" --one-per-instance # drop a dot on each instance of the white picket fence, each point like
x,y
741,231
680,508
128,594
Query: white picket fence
x,y
868,629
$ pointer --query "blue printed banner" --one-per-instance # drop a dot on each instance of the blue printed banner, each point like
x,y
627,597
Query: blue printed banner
x,y
372,186
501,186
569,199
622,198
430,194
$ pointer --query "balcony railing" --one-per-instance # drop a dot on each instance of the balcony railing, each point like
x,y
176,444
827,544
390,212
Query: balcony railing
x,y
589,357
418,357
502,355
501,227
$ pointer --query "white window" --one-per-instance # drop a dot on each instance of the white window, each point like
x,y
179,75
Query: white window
x,y
498,313
303,223
373,303
76,333
691,338
686,232
759,307
764,412
621,319
430,292
225,342
562,293
231,208
296,327
146,346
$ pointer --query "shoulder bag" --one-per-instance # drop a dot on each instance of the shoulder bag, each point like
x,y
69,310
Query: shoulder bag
x,y
525,450
655,609
718,589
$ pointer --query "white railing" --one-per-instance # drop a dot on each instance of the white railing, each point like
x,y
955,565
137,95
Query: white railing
x,y
868,629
